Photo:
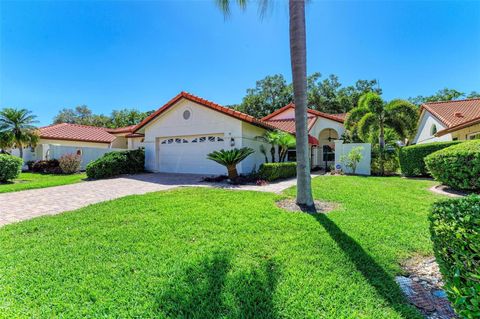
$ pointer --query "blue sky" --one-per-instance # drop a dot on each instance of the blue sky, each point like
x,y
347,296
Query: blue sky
x,y
139,54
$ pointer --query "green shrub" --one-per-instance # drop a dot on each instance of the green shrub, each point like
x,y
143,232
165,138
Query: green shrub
x,y
117,163
412,157
274,171
47,166
390,164
457,166
10,167
455,230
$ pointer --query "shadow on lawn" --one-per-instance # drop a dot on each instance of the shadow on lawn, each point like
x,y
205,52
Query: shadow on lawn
x,y
209,289
376,276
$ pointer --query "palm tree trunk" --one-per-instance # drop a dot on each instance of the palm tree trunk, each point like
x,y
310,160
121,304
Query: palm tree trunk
x,y
272,152
20,149
298,57
232,172
381,142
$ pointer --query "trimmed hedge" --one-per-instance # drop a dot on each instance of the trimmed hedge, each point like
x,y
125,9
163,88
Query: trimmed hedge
x,y
10,167
274,171
457,166
47,166
117,163
412,157
455,230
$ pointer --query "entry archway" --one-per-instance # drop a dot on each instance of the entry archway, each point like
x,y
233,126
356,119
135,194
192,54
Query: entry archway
x,y
326,148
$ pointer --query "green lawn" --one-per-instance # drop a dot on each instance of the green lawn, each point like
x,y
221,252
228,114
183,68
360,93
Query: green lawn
x,y
210,253
36,180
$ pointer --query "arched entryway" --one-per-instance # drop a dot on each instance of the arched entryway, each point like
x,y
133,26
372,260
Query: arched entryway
x,y
326,148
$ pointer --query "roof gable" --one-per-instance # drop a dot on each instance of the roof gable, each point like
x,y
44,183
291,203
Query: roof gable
x,y
335,117
454,113
211,105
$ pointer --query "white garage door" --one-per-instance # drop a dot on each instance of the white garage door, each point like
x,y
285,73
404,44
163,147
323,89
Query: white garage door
x,y
189,154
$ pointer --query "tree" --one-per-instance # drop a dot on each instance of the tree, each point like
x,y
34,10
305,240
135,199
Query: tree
x,y
373,115
285,141
445,94
230,159
16,128
126,117
298,59
352,159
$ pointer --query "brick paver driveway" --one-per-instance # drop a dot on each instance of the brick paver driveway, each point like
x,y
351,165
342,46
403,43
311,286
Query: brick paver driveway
x,y
18,206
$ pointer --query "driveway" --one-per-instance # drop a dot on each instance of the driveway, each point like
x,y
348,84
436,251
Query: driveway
x,y
23,205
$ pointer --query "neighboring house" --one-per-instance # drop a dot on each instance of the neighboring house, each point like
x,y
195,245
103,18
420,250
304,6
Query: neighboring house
x,y
180,134
64,138
449,121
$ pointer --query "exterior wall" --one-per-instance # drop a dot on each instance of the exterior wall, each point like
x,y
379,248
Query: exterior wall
x,y
318,131
120,142
202,121
250,134
364,166
424,130
135,143
74,143
463,134
323,123
88,154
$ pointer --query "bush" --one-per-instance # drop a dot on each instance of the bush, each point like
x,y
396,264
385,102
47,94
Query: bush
x,y
457,166
47,166
70,163
274,171
117,163
390,164
412,157
455,230
10,167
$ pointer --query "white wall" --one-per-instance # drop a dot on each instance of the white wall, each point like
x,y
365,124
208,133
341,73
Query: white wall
x,y
250,139
135,143
202,121
287,114
364,166
89,154
424,130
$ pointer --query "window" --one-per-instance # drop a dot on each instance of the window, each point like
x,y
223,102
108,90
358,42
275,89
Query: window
x,y
184,141
433,130
219,139
170,141
474,136
164,142
211,138
292,155
328,154
202,139
195,140
178,140
186,114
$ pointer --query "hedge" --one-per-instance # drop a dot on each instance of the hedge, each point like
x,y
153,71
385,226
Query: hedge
x,y
10,167
457,166
274,171
412,157
117,163
51,166
455,231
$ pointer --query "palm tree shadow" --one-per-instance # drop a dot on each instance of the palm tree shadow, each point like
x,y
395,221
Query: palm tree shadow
x,y
374,274
207,290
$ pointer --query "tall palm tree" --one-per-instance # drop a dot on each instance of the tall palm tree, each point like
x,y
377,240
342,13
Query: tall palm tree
x,y
373,116
16,128
298,59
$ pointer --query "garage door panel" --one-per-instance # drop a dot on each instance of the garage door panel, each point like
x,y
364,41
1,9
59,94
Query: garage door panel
x,y
189,154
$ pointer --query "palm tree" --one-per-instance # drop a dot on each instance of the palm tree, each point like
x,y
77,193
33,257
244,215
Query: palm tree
x,y
230,159
285,141
16,128
373,116
271,137
298,59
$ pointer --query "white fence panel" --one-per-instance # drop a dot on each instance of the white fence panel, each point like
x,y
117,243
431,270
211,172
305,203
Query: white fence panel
x,y
364,166
88,154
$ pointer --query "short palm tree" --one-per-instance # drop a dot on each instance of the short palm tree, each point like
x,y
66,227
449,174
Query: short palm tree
x,y
16,128
230,159
285,141
373,116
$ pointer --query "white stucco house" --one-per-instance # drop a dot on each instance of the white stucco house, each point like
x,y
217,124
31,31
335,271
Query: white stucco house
x,y
180,134
449,121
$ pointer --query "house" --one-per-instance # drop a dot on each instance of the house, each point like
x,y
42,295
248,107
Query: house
x,y
180,134
90,141
449,121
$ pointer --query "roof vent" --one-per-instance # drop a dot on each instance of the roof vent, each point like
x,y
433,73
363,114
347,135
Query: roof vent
x,y
458,114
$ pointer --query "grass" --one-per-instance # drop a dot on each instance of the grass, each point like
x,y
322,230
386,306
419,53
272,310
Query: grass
x,y
36,180
210,253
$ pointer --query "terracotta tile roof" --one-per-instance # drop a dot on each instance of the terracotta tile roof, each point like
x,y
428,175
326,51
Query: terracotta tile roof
x,y
455,114
225,110
334,117
76,132
126,129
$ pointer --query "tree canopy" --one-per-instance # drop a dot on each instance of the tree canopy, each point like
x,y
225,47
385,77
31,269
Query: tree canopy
x,y
83,115
324,94
445,94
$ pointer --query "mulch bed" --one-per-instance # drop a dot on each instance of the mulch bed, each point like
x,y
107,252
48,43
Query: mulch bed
x,y
291,205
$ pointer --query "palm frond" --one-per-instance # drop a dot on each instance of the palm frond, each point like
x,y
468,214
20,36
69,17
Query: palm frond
x,y
367,124
354,116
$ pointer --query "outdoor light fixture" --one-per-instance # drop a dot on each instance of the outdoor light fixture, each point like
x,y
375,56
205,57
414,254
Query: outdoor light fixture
x,y
232,142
